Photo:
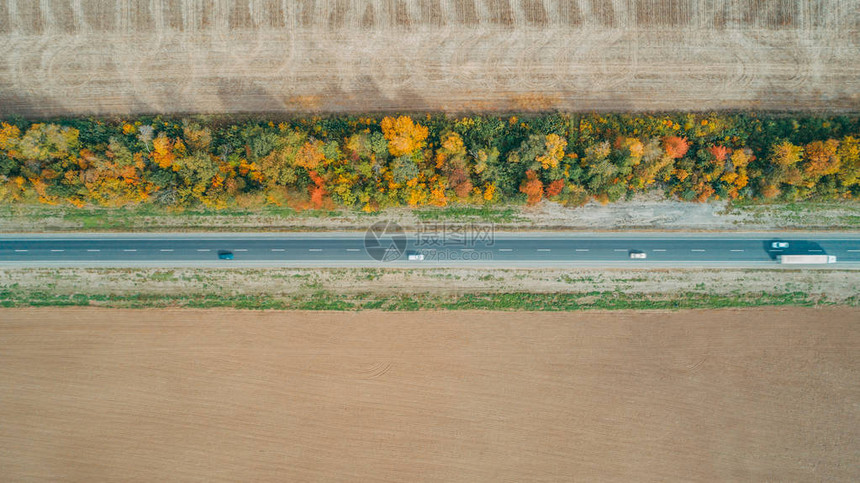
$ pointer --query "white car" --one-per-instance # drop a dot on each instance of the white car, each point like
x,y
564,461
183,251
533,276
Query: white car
x,y
638,255
415,257
779,245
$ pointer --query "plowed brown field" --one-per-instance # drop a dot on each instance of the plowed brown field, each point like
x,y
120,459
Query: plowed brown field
x,y
749,395
168,56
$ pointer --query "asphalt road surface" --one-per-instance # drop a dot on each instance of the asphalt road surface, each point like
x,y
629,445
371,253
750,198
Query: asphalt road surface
x,y
366,250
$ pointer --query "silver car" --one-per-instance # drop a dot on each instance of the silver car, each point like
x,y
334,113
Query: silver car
x,y
779,245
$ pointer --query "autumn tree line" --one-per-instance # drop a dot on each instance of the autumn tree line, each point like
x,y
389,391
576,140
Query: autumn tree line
x,y
372,163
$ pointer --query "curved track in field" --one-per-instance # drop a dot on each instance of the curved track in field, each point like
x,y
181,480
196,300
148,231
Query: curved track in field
x,y
99,57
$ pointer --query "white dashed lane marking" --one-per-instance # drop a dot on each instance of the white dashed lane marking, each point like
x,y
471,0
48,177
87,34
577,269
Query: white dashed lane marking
x,y
659,250
241,250
314,249
129,250
57,250
582,249
93,250
278,250
166,250
203,250
620,249
737,250
696,250
352,249
543,249
506,249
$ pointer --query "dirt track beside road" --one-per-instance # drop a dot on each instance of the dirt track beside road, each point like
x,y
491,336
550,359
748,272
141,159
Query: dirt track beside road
x,y
763,394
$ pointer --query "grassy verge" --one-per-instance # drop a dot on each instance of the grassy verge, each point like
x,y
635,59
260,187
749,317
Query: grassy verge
x,y
150,218
425,289
801,214
154,218
469,214
326,300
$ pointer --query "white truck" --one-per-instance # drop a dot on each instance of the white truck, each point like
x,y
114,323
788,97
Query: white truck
x,y
806,259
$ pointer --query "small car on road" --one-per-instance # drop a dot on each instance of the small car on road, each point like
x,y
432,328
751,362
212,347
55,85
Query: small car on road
x,y
779,244
225,255
415,256
638,255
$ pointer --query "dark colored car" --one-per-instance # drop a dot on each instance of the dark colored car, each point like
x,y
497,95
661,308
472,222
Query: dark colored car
x,y
225,255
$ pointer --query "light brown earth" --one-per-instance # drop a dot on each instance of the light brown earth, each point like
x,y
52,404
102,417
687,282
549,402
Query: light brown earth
x,y
744,395
281,56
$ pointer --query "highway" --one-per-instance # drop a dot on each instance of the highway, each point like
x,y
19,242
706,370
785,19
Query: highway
x,y
357,249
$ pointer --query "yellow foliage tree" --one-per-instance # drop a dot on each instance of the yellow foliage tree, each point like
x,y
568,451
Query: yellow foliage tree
x,y
490,192
310,155
9,136
404,136
555,145
163,151
437,196
849,153
452,147
452,143
635,147
740,158
785,154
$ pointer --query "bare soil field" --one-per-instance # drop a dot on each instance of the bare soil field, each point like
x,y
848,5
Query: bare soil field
x,y
220,56
94,394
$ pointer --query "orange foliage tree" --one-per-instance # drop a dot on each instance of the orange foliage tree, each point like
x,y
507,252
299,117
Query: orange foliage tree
x,y
821,158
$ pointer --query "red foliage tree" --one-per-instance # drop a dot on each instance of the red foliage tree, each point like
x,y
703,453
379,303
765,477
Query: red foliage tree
x,y
317,190
459,181
676,147
720,152
554,188
532,187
